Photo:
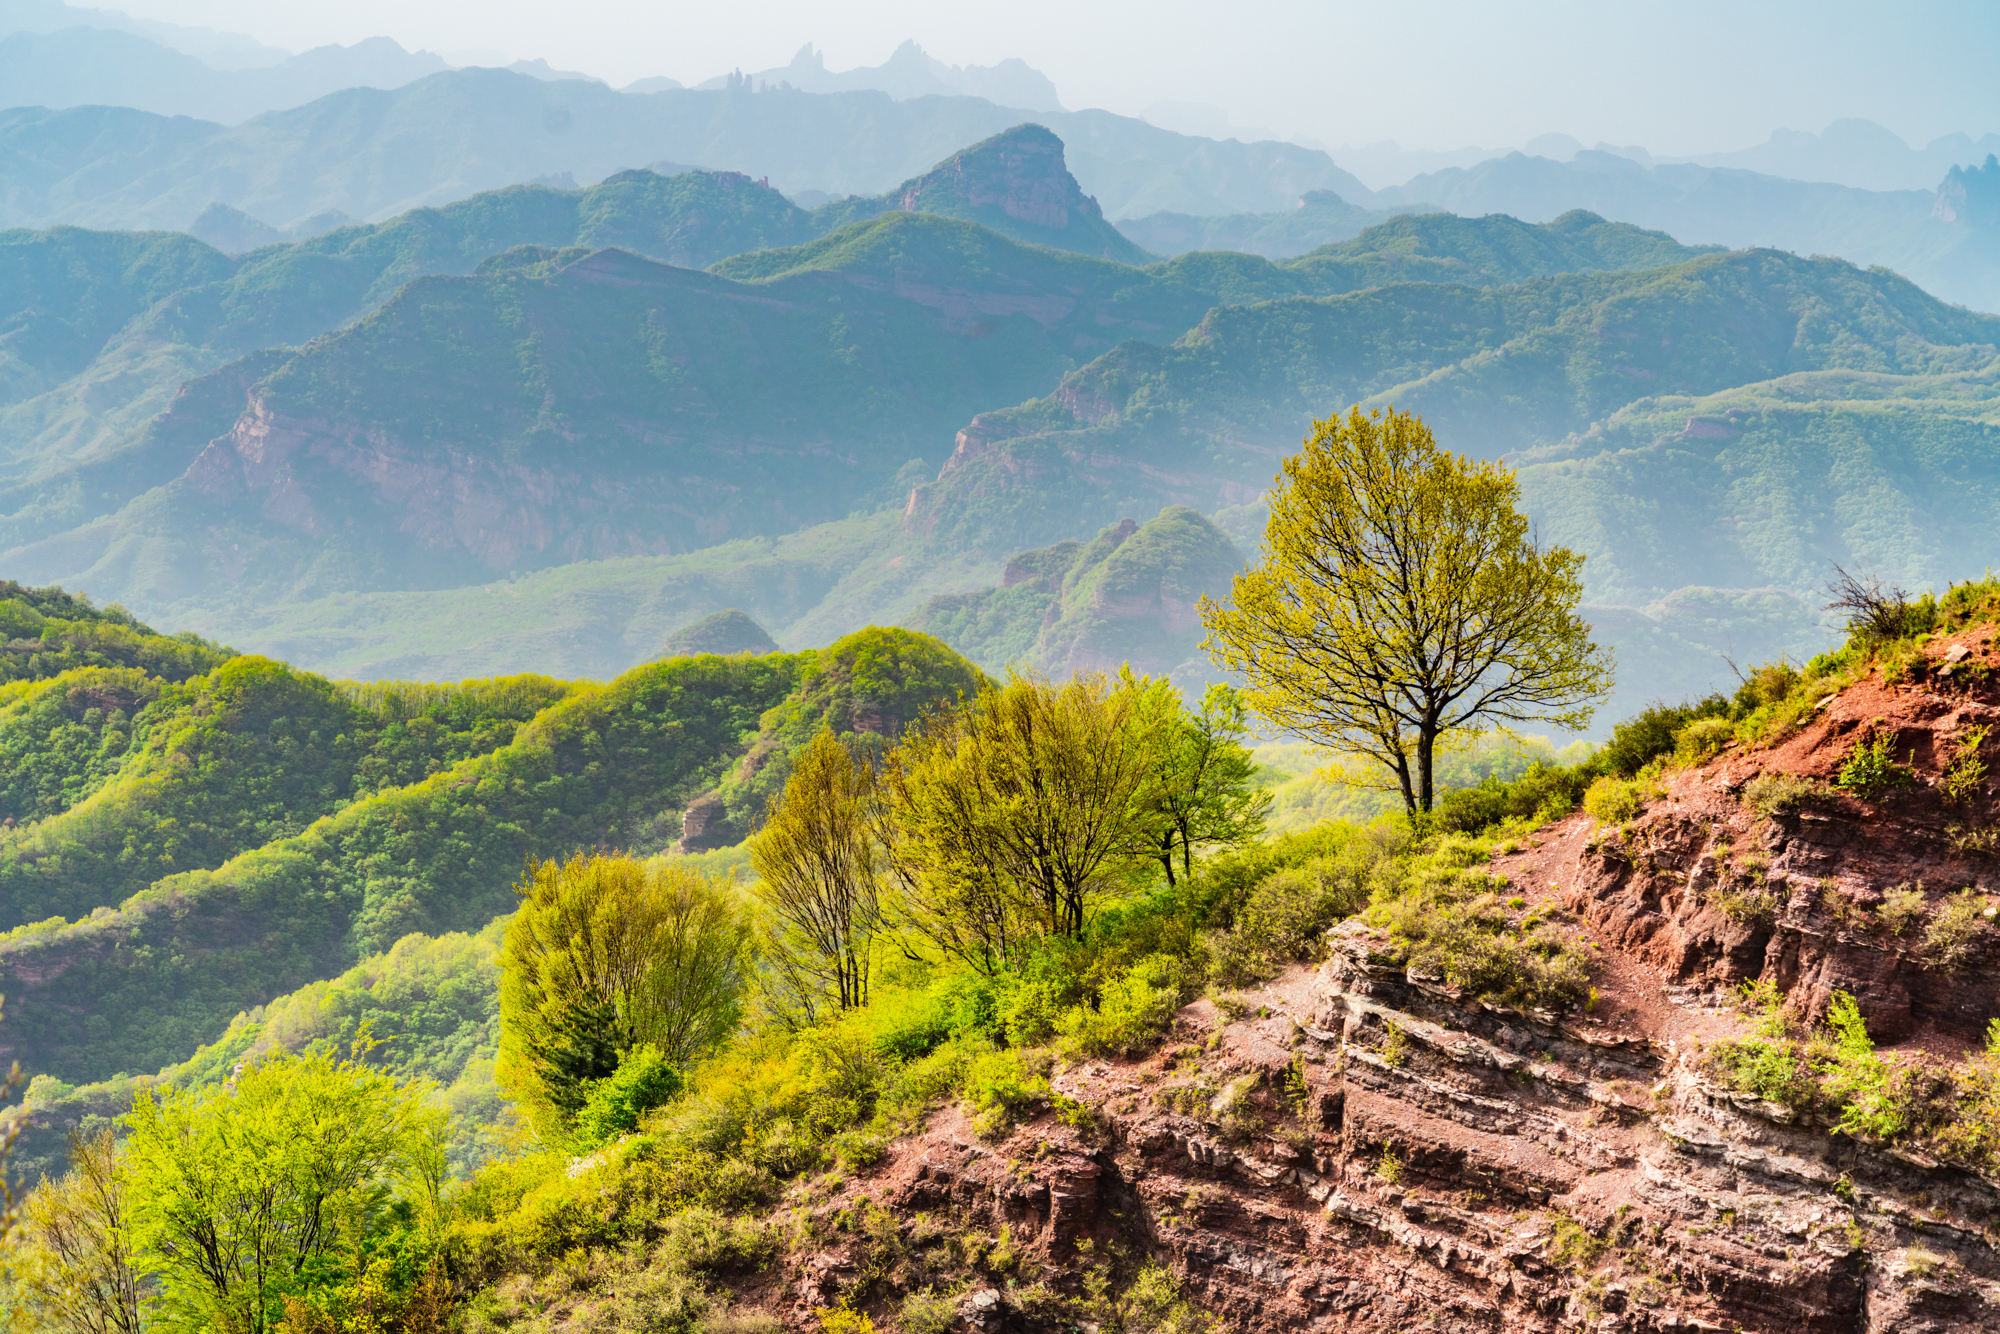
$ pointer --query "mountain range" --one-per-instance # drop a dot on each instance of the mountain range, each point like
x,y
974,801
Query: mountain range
x,y
89,66
1902,229
372,153
505,433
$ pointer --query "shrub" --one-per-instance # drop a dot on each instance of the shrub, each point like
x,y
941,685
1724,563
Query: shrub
x,y
1153,1305
1953,932
1288,913
1871,769
1962,778
1447,922
1753,905
844,1319
1973,1135
1856,1076
1001,1086
740,1322
1132,1011
1654,732
1902,907
1773,794
613,1105
700,1240
1572,1246
1702,739
1878,612
1771,684
928,1312
1543,793
1612,800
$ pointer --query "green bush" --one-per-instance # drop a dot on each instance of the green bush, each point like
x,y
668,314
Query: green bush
x,y
1653,732
1543,793
1774,794
1856,1077
1288,913
1132,1011
1902,907
1955,929
1701,740
1000,1086
1447,921
1612,800
1871,769
644,1079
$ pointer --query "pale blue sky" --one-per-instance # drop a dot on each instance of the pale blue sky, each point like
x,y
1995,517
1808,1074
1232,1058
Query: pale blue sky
x,y
1686,77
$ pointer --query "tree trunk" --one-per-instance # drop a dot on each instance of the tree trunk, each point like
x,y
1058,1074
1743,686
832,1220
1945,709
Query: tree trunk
x,y
1426,754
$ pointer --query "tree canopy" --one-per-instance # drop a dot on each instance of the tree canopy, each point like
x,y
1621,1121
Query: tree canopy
x,y
1403,598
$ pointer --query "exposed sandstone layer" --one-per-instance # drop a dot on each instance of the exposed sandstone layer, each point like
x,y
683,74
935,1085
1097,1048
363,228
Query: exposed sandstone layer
x,y
1454,1168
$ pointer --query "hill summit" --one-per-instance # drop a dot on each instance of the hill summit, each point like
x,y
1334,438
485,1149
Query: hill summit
x,y
1016,183
728,631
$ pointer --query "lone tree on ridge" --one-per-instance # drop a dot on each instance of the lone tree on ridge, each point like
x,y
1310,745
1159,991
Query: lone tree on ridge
x,y
1403,598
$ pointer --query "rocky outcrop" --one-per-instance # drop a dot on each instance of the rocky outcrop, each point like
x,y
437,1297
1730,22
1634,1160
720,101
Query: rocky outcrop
x,y
1360,1147
1363,1150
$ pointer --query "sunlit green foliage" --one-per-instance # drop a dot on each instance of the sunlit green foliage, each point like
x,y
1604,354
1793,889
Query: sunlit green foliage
x,y
133,778
607,955
280,1184
608,764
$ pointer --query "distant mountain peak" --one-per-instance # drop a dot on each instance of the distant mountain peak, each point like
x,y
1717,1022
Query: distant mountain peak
x,y
1017,183
1971,196
1020,171
909,72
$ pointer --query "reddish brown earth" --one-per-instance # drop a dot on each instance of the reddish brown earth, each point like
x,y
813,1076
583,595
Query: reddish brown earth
x,y
1450,1155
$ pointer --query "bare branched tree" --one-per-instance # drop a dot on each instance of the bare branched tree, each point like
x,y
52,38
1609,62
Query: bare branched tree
x,y
1875,609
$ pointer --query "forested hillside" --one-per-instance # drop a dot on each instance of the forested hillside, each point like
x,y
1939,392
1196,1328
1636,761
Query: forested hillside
x,y
187,850
104,327
1128,595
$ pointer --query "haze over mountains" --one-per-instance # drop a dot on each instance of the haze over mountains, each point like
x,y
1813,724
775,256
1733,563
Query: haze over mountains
x,y
504,434
943,322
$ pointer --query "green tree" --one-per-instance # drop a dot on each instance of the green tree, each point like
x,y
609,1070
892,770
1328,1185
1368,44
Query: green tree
x,y
244,1194
1204,797
1002,815
815,865
607,952
75,1249
1402,599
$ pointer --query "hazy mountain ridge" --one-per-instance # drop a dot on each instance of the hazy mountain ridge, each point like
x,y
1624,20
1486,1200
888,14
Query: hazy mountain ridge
x,y
1320,217
1202,422
372,154
909,72
88,66
99,339
1899,229
1015,183
1013,318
